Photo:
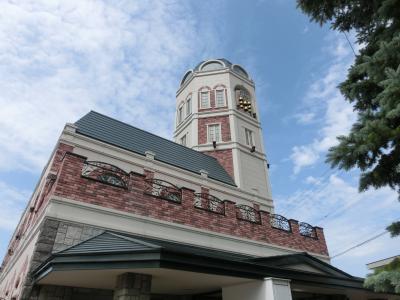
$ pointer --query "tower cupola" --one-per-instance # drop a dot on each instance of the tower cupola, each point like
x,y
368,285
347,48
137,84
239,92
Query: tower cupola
x,y
216,113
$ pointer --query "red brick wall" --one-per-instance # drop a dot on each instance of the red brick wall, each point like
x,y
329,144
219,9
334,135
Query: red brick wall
x,y
29,218
72,185
225,158
225,128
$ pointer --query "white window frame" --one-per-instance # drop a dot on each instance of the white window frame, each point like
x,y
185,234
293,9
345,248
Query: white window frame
x,y
180,114
188,105
183,139
208,99
209,140
249,137
223,97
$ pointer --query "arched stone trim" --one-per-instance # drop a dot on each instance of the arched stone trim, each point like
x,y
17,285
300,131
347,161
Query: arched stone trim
x,y
204,88
187,75
220,85
207,62
244,100
240,70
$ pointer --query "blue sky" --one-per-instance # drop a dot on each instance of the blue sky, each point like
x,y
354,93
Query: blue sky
x,y
58,60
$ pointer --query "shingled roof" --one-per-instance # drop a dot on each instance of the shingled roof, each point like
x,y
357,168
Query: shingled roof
x,y
122,135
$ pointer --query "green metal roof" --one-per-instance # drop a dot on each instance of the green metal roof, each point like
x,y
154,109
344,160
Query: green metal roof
x,y
112,243
122,135
108,242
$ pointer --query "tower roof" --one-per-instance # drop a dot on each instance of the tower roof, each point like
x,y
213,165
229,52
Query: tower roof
x,y
226,63
214,65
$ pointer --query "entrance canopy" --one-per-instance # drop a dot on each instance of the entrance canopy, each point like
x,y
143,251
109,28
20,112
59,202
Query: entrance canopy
x,y
180,268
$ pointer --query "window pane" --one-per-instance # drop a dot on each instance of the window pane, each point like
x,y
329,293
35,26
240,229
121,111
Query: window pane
x,y
183,140
217,133
180,114
204,100
189,106
220,98
214,133
249,137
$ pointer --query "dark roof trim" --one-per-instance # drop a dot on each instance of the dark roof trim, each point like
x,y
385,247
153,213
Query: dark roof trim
x,y
304,257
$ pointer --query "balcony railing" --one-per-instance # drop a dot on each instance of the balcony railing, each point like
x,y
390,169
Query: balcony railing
x,y
163,189
210,203
248,213
105,173
307,230
280,222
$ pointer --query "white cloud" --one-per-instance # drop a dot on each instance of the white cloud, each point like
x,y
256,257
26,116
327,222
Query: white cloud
x,y
303,156
324,99
305,117
59,59
348,218
13,202
313,180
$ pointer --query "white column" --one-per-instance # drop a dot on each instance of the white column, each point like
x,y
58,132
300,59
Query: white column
x,y
267,289
277,289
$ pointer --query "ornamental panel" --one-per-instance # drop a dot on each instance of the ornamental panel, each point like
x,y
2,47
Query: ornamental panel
x,y
307,230
106,173
248,213
210,203
280,222
163,189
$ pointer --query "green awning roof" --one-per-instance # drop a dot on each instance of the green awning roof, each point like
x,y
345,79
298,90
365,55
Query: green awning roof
x,y
110,250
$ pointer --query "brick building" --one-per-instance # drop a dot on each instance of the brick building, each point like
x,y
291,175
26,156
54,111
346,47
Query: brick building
x,y
120,213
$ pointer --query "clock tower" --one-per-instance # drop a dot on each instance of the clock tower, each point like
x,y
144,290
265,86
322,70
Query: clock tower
x,y
217,114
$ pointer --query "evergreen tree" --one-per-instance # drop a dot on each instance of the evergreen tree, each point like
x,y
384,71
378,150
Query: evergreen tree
x,y
385,279
372,86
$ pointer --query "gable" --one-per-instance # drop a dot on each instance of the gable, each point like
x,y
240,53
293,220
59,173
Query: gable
x,y
108,242
305,268
302,262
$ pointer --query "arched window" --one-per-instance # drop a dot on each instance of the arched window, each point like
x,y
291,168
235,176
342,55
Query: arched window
x,y
212,66
240,70
243,100
204,98
180,114
187,76
189,105
220,100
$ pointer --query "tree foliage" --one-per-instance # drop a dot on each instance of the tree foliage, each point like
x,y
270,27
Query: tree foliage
x,y
372,86
385,279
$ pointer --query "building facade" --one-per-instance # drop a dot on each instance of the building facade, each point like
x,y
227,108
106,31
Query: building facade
x,y
120,213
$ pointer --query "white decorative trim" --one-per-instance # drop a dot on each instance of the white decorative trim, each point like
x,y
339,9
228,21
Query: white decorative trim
x,y
112,219
150,154
203,173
